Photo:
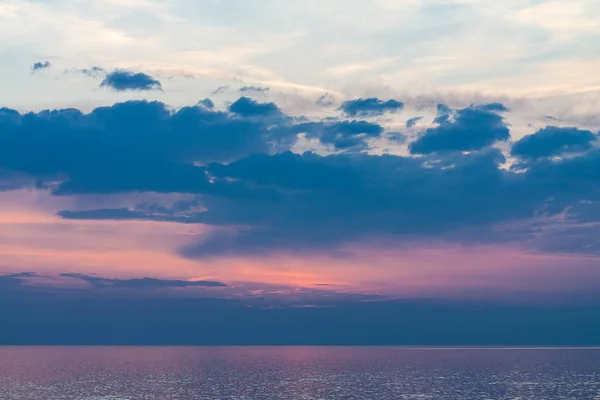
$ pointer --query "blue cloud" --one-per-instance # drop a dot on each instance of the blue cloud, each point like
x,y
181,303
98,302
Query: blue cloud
x,y
319,202
497,107
180,211
325,201
247,107
413,121
236,165
121,80
220,89
40,65
137,145
207,103
92,72
370,107
553,141
341,134
443,114
142,283
471,128
11,281
254,89
145,146
325,100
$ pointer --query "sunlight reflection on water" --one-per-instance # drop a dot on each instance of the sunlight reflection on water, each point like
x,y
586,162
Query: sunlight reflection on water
x,y
203,373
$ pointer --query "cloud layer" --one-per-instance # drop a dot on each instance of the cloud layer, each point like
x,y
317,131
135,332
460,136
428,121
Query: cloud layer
x,y
264,198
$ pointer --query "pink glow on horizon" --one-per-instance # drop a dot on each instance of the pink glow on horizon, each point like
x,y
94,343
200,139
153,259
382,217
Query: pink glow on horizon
x,y
34,239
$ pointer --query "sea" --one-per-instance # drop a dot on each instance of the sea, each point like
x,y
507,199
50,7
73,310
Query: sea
x,y
302,373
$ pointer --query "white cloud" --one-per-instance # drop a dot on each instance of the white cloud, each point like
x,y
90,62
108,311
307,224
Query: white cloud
x,y
512,48
563,19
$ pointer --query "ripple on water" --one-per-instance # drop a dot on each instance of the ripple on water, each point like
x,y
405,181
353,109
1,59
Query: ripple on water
x,y
297,373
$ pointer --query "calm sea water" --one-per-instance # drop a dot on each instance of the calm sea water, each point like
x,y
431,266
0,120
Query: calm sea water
x,y
182,373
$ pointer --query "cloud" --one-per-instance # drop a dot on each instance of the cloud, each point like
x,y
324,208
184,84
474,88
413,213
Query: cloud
x,y
413,121
497,107
185,211
325,100
207,103
40,65
323,203
92,72
220,89
143,283
121,80
145,146
254,89
12,281
327,201
370,107
258,197
247,107
136,145
469,129
343,134
114,214
553,141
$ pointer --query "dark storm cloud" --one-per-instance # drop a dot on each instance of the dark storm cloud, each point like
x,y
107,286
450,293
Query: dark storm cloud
x,y
370,107
553,141
469,129
142,283
40,65
121,80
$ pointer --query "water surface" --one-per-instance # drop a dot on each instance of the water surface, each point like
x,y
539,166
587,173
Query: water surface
x,y
269,373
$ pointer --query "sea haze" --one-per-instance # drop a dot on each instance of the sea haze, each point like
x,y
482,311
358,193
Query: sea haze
x,y
265,373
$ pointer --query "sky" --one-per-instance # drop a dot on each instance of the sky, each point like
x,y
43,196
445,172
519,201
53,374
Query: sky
x,y
345,172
